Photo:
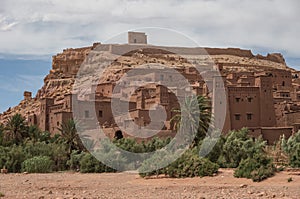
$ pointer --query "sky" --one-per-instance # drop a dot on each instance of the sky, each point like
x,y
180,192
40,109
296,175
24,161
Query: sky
x,y
31,31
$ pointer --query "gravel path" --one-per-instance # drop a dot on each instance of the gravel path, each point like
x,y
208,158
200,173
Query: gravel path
x,y
126,185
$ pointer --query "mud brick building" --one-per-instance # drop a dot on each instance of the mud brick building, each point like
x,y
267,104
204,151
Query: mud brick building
x,y
263,94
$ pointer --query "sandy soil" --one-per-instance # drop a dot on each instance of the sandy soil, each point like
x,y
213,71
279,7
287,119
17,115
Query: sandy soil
x,y
128,185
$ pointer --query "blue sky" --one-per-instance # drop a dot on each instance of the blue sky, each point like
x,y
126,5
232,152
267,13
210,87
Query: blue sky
x,y
32,31
19,75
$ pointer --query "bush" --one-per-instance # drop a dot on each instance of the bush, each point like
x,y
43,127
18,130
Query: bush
x,y
152,165
188,165
217,150
89,164
235,148
33,149
55,151
75,158
38,164
191,165
3,156
59,156
257,168
292,148
130,145
12,158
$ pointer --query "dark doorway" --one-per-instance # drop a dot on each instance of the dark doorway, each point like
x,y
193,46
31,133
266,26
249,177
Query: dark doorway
x,y
118,135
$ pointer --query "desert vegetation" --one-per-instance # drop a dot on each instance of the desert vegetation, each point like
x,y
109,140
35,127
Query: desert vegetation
x,y
25,148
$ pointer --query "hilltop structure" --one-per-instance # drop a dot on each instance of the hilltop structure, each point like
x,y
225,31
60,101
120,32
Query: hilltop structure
x,y
263,94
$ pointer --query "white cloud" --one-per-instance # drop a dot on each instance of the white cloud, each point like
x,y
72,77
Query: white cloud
x,y
45,27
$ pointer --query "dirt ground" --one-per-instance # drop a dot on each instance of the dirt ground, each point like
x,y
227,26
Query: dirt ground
x,y
130,185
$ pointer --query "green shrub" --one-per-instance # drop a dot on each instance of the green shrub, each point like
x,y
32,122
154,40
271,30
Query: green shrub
x,y
292,148
188,165
152,165
191,165
75,158
13,158
89,164
216,152
55,151
59,156
257,168
3,156
32,149
38,164
234,148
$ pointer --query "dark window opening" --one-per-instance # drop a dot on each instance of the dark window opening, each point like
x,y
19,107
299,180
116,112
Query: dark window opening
x,y
283,83
100,113
249,99
86,114
134,41
237,116
237,99
118,135
249,116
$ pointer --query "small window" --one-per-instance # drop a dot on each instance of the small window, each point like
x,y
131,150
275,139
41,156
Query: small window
x,y
237,116
249,99
249,116
134,41
57,123
237,99
86,114
100,113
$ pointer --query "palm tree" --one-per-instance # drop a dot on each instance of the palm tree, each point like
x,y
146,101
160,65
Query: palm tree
x,y
16,129
70,136
194,116
34,133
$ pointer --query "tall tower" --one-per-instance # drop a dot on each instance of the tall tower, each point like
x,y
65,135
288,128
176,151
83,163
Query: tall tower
x,y
44,113
267,110
137,38
220,104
